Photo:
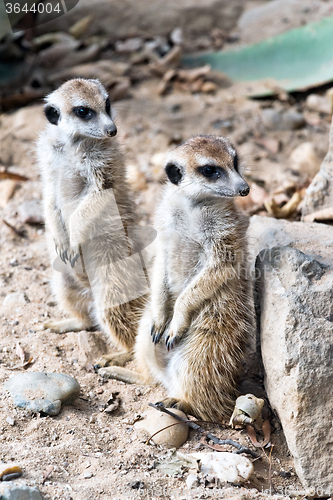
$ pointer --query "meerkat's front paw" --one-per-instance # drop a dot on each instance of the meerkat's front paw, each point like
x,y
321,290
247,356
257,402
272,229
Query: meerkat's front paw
x,y
157,331
176,331
176,403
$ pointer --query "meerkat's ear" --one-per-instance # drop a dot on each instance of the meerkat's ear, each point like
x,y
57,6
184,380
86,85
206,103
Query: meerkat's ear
x,y
52,114
174,173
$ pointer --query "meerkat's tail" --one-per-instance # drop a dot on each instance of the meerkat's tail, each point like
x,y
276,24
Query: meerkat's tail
x,y
122,374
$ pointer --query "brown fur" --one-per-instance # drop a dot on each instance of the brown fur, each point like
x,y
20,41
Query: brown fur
x,y
80,167
201,304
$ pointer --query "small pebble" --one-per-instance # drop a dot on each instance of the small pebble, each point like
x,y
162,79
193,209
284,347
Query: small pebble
x,y
15,298
7,470
10,477
137,485
318,103
284,474
176,36
192,481
282,120
10,421
174,436
88,475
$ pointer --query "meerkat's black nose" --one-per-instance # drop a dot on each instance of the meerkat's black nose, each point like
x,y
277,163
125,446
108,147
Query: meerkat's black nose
x,y
244,192
111,131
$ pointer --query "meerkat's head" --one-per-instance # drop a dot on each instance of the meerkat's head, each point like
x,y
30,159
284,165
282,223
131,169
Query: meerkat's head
x,y
206,166
81,108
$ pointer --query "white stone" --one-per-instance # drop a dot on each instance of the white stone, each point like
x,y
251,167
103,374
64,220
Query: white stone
x,y
318,103
192,481
227,467
14,298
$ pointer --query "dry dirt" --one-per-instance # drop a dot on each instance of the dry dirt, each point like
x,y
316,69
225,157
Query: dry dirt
x,y
83,438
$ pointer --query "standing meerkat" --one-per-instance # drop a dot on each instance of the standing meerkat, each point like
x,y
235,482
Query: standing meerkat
x,y
89,215
195,328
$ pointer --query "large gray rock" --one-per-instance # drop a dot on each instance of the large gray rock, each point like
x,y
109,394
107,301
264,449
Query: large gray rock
x,y
155,17
319,195
295,304
42,392
18,492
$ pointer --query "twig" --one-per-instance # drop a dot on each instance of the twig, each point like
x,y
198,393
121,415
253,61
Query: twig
x,y
270,468
165,428
5,174
18,232
208,435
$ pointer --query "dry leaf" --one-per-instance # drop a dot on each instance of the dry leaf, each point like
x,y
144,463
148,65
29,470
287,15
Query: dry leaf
x,y
7,188
320,215
177,463
20,353
18,232
80,28
47,473
287,210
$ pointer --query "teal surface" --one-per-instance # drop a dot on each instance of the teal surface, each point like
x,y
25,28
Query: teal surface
x,y
296,60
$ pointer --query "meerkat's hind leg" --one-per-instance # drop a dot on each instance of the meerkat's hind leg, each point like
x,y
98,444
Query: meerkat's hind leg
x,y
116,359
178,404
122,374
67,325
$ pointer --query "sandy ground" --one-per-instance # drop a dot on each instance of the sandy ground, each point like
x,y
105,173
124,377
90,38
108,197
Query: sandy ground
x,y
83,438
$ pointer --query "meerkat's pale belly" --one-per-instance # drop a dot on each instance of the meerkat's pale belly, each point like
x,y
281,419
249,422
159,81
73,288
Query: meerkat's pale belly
x,y
184,261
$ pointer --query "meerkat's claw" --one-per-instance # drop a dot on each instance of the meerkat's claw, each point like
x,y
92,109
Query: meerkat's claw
x,y
157,337
74,260
175,403
62,256
170,343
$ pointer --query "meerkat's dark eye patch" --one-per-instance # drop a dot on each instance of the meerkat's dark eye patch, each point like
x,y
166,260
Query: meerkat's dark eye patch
x,y
211,172
174,173
108,107
52,114
84,113
236,165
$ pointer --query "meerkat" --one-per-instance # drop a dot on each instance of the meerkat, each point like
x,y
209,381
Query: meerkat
x,y
89,215
196,326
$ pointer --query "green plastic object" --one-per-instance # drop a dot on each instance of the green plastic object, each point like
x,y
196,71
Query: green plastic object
x,y
296,60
